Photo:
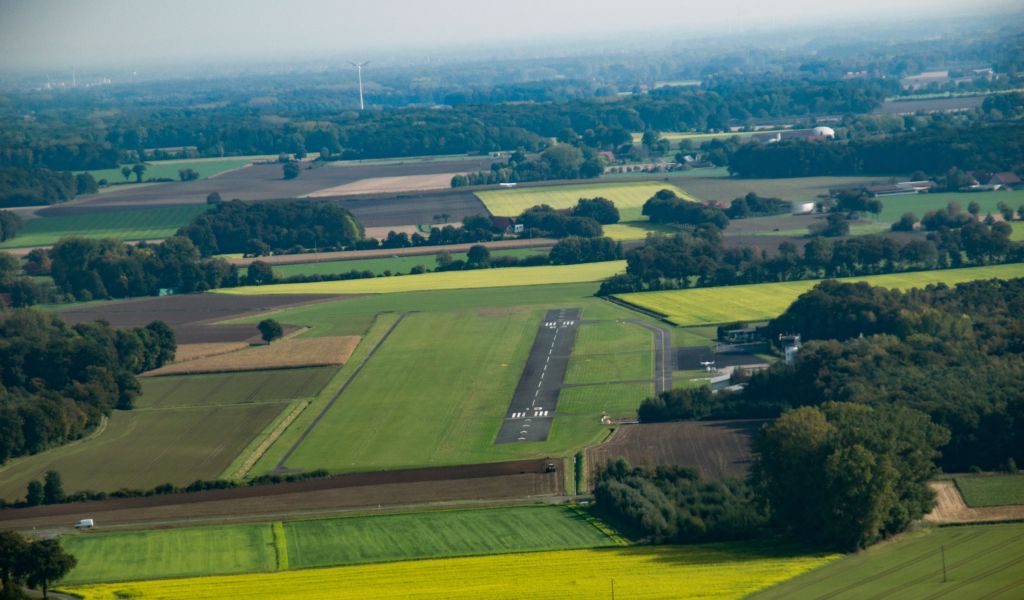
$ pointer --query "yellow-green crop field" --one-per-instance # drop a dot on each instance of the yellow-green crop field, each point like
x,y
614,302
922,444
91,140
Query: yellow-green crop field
x,y
446,280
712,571
702,306
512,202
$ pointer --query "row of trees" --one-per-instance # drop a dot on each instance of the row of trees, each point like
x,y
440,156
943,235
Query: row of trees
x,y
699,259
57,381
559,161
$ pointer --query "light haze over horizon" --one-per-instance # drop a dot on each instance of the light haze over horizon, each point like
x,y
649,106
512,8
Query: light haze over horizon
x,y
57,34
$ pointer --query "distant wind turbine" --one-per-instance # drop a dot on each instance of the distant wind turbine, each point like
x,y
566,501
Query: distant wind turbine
x,y
359,69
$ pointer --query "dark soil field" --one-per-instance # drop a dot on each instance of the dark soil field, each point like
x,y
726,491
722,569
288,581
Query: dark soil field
x,y
264,182
496,481
413,209
192,315
716,449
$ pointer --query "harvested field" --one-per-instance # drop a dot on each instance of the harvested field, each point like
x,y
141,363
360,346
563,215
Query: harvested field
x,y
413,209
264,182
447,280
191,316
384,185
356,255
187,352
795,189
630,195
337,494
760,302
283,354
182,429
950,508
716,449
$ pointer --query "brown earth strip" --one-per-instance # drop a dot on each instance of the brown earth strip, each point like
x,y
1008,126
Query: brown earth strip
x,y
284,354
716,449
312,257
193,316
494,481
385,185
951,508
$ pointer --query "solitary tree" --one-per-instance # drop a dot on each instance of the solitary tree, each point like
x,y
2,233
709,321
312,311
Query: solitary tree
x,y
290,170
12,549
974,208
46,562
126,171
34,493
139,169
478,255
259,273
270,330
213,198
53,488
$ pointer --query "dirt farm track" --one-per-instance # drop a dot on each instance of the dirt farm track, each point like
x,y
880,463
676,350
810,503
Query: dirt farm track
x,y
487,482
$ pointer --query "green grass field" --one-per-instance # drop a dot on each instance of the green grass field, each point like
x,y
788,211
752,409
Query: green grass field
x,y
397,264
703,306
358,540
182,429
128,225
919,204
250,548
608,352
982,561
428,399
991,490
179,552
159,169
1018,232
629,198
448,280
612,399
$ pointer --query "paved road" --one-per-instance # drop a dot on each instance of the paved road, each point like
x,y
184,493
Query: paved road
x,y
532,410
664,359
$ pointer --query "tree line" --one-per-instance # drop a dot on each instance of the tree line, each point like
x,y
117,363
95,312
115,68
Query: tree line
x,y
699,258
558,161
24,186
58,380
995,146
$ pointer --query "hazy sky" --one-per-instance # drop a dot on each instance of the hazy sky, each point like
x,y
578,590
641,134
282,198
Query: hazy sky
x,y
57,34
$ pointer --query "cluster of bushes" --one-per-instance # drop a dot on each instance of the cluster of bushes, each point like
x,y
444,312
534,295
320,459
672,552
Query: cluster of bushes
x,y
20,290
753,205
666,207
264,227
559,161
51,489
673,505
92,269
545,221
57,381
699,259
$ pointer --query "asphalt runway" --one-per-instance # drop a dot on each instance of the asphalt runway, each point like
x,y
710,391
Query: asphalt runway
x,y
532,409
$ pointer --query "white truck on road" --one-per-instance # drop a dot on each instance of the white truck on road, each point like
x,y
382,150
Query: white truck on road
x,y
85,524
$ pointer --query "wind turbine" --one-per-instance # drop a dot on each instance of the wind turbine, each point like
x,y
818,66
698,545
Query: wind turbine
x,y
359,69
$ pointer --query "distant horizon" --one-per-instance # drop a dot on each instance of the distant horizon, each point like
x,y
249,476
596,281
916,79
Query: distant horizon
x,y
51,36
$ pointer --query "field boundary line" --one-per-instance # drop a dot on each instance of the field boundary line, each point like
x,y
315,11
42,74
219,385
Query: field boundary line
x,y
268,441
280,545
302,438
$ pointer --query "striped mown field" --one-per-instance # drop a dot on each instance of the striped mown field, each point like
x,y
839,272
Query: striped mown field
x,y
703,306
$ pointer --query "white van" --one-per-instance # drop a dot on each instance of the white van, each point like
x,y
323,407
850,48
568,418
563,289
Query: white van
x,y
85,524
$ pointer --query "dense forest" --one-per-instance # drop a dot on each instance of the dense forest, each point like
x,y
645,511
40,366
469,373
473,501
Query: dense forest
x,y
59,380
264,227
955,354
92,269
